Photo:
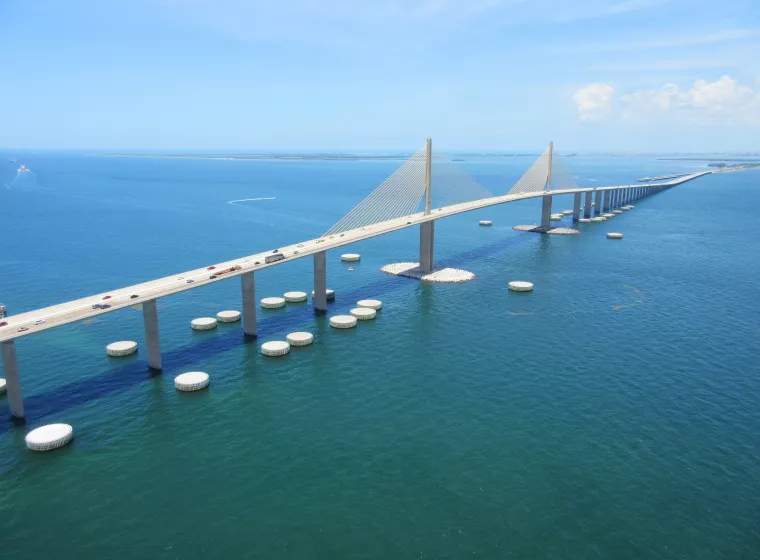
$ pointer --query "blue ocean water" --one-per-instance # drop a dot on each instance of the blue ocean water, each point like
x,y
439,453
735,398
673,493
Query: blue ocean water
x,y
611,413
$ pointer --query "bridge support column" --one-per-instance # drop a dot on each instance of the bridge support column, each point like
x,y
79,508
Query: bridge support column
x,y
12,383
587,205
150,320
616,198
577,207
546,213
598,203
607,201
320,283
427,235
248,289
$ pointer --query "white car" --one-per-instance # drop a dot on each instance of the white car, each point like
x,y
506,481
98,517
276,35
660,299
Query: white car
x,y
39,321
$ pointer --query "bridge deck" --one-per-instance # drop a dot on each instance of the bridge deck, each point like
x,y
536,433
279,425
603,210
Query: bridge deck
x,y
80,309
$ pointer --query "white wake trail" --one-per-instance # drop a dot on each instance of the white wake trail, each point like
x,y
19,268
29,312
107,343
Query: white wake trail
x,y
251,199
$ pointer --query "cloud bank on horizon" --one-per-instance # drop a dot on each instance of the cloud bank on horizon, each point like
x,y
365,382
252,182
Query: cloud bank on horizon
x,y
638,75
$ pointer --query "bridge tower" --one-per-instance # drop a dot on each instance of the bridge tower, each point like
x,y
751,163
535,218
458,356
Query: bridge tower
x,y
546,206
427,229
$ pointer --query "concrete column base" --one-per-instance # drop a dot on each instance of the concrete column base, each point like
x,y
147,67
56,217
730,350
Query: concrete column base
x,y
320,283
587,204
427,245
577,207
546,213
12,382
248,291
150,320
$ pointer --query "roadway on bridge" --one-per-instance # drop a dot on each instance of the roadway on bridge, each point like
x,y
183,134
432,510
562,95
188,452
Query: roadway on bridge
x,y
54,316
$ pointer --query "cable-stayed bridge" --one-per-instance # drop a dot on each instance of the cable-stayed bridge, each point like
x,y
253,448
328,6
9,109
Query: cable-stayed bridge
x,y
424,189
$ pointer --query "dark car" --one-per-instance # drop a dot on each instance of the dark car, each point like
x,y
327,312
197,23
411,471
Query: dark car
x,y
257,262
212,277
190,280
4,324
96,306
134,296
105,306
275,251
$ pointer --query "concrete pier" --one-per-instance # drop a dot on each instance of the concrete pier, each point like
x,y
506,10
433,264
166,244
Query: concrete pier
x,y
587,205
577,207
607,197
248,289
12,383
150,319
616,198
598,203
427,235
546,213
320,283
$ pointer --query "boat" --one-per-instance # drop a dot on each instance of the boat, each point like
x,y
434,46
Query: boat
x,y
23,168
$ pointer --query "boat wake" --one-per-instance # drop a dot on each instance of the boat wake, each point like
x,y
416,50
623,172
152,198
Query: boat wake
x,y
251,199
24,178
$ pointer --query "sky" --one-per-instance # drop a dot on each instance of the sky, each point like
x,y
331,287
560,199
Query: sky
x,y
506,75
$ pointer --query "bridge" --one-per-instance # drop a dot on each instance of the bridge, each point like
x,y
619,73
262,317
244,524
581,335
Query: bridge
x,y
424,189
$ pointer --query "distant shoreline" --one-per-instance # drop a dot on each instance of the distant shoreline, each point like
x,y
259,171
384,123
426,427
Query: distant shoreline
x,y
348,157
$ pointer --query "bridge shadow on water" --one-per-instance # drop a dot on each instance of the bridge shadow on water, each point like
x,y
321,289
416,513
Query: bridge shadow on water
x,y
57,400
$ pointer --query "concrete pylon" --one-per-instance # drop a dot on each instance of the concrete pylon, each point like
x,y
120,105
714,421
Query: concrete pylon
x,y
12,382
577,207
546,213
320,283
587,205
427,244
546,203
248,291
152,341
598,203
427,229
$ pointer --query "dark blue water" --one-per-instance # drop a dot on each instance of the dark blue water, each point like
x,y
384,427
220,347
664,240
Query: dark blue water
x,y
612,413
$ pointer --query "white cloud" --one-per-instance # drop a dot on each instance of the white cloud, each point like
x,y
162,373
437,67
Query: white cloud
x,y
594,101
724,101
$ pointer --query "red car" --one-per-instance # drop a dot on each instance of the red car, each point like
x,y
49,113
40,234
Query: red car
x,y
211,268
106,297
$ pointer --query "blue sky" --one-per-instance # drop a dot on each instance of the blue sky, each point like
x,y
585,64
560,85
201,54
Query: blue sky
x,y
633,75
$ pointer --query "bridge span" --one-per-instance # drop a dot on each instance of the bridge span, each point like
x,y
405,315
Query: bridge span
x,y
385,210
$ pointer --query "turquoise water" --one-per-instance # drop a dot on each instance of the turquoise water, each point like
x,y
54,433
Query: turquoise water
x,y
612,413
